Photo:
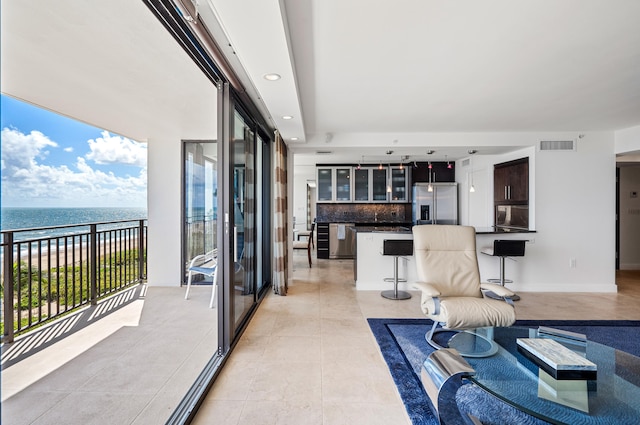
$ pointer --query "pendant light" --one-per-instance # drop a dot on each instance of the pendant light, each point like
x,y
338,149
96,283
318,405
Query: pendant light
x,y
430,187
448,163
472,187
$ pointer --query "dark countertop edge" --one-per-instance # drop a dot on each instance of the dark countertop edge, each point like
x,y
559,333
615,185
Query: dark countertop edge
x,y
383,229
499,231
370,223
370,227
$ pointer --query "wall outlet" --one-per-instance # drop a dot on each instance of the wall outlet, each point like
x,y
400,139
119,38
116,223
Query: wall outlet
x,y
572,263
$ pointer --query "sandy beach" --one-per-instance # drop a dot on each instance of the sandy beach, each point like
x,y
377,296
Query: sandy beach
x,y
60,256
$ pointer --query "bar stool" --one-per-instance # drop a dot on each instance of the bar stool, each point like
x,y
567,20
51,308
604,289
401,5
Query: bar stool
x,y
504,248
396,248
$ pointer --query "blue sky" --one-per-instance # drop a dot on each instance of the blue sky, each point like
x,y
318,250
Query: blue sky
x,y
49,160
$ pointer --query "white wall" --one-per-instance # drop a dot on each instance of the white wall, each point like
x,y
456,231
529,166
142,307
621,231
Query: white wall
x,y
572,196
164,203
300,176
627,140
575,219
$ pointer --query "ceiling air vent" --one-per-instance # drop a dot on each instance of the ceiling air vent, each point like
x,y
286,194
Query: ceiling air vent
x,y
324,152
465,162
557,145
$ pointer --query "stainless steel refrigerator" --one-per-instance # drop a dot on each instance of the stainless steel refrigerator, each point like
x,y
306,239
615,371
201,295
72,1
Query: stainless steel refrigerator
x,y
440,206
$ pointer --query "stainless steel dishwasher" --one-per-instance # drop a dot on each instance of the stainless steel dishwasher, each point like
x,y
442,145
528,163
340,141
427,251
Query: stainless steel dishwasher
x,y
341,240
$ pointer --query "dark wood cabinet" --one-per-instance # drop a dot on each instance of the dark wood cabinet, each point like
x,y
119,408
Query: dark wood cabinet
x,y
440,172
322,240
511,182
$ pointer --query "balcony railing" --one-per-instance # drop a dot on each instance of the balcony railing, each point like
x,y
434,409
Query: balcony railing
x,y
50,271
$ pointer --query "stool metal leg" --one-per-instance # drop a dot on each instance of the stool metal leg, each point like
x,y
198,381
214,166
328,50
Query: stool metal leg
x,y
395,294
501,281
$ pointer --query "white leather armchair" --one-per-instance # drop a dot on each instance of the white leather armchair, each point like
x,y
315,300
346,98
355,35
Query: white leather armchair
x,y
449,278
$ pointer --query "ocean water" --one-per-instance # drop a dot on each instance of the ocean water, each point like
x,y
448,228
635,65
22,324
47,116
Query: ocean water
x,y
37,218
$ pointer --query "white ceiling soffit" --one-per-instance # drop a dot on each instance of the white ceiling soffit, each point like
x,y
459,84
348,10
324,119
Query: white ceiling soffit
x,y
110,64
258,36
371,66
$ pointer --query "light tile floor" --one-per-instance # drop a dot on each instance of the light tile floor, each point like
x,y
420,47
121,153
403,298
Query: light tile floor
x,y
309,357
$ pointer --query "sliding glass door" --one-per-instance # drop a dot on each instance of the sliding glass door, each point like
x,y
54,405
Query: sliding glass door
x,y
200,201
243,146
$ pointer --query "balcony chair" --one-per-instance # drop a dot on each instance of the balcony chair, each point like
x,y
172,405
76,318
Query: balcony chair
x,y
449,278
306,244
207,265
308,233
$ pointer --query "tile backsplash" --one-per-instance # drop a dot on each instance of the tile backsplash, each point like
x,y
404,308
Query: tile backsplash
x,y
363,213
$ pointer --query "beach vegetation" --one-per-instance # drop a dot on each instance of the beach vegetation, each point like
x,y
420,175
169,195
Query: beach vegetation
x,y
41,294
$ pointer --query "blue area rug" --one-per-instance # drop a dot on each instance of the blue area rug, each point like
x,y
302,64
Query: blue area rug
x,y
404,349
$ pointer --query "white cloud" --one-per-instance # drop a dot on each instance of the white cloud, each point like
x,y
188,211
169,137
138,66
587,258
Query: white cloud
x,y
21,150
69,149
27,181
112,149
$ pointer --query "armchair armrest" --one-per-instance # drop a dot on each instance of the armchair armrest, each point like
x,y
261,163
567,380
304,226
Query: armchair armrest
x,y
432,306
499,290
427,289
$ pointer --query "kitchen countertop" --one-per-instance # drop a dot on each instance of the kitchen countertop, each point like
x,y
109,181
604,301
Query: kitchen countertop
x,y
406,228
391,229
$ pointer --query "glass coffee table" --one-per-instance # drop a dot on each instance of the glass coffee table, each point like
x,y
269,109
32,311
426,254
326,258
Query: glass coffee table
x,y
613,397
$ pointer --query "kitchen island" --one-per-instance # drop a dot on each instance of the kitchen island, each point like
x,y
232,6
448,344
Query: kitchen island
x,y
371,267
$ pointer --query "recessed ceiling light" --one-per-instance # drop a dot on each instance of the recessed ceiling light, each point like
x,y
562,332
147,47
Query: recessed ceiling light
x,y
287,117
295,139
272,77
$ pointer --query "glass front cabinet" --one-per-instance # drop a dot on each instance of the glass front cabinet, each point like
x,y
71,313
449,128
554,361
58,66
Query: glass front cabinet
x,y
370,184
334,184
399,184
325,184
363,184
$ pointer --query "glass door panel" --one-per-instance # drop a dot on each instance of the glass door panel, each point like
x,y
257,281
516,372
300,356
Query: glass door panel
x,y
361,184
200,202
244,228
325,184
379,184
398,184
343,184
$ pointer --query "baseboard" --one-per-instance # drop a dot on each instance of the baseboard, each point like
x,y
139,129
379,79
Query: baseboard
x,y
556,287
630,266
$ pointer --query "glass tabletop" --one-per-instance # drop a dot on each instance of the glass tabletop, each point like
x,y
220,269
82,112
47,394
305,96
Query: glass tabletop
x,y
512,377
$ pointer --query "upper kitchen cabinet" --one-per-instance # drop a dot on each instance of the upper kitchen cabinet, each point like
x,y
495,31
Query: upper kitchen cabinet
x,y
511,182
440,172
370,184
325,184
379,184
334,184
363,184
400,184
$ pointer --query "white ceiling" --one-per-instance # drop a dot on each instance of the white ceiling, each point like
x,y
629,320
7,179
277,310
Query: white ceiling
x,y
381,73
425,66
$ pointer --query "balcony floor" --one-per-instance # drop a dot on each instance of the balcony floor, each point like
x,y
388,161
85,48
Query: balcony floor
x,y
305,358
132,366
